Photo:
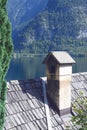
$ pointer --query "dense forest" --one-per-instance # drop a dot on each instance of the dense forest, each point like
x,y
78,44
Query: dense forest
x,y
6,49
62,25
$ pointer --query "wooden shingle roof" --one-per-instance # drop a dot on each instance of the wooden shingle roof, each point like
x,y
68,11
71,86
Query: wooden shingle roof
x,y
25,106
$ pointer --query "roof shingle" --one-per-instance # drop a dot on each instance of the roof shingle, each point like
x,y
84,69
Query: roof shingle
x,y
25,107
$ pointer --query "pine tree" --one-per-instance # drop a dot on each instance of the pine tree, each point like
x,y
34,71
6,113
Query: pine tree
x,y
6,49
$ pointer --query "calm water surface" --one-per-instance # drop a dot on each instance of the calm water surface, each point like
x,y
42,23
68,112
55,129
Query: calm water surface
x,y
32,67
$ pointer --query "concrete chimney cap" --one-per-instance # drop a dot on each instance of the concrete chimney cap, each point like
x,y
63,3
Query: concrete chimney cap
x,y
62,57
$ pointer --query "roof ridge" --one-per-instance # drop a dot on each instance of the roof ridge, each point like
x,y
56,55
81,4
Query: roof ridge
x,y
46,105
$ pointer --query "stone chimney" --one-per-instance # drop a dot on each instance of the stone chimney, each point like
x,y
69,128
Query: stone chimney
x,y
59,71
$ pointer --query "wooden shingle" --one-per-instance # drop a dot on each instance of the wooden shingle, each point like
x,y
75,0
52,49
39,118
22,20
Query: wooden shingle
x,y
25,107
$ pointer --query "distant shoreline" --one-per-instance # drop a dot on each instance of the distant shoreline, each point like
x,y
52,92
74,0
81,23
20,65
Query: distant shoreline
x,y
43,54
27,55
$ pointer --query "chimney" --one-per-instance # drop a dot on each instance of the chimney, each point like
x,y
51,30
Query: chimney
x,y
59,71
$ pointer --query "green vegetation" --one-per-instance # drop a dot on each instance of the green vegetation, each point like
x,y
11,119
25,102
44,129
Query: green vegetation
x,y
79,120
61,26
5,56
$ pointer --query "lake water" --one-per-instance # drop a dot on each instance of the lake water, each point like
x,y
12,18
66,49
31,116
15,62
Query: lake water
x,y
32,67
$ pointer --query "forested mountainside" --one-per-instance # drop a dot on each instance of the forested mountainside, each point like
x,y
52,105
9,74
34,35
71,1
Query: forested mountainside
x,y
59,25
22,11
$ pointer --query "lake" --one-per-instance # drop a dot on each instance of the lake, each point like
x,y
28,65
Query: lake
x,y
31,67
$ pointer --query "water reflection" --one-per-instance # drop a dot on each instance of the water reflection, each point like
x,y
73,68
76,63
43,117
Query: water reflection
x,y
32,67
26,68
81,64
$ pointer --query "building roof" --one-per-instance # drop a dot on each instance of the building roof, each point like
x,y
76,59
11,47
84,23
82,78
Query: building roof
x,y
27,109
62,57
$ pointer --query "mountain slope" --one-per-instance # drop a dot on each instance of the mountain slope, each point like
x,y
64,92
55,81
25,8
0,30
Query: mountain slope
x,y
22,11
61,26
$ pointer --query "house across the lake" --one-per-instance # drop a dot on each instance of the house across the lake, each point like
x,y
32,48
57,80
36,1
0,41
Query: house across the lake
x,y
45,103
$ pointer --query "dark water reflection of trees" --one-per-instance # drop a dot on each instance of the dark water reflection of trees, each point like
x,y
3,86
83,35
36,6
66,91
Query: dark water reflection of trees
x,y
32,67
81,64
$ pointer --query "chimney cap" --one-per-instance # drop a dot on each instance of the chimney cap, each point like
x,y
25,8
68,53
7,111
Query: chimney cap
x,y
62,57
